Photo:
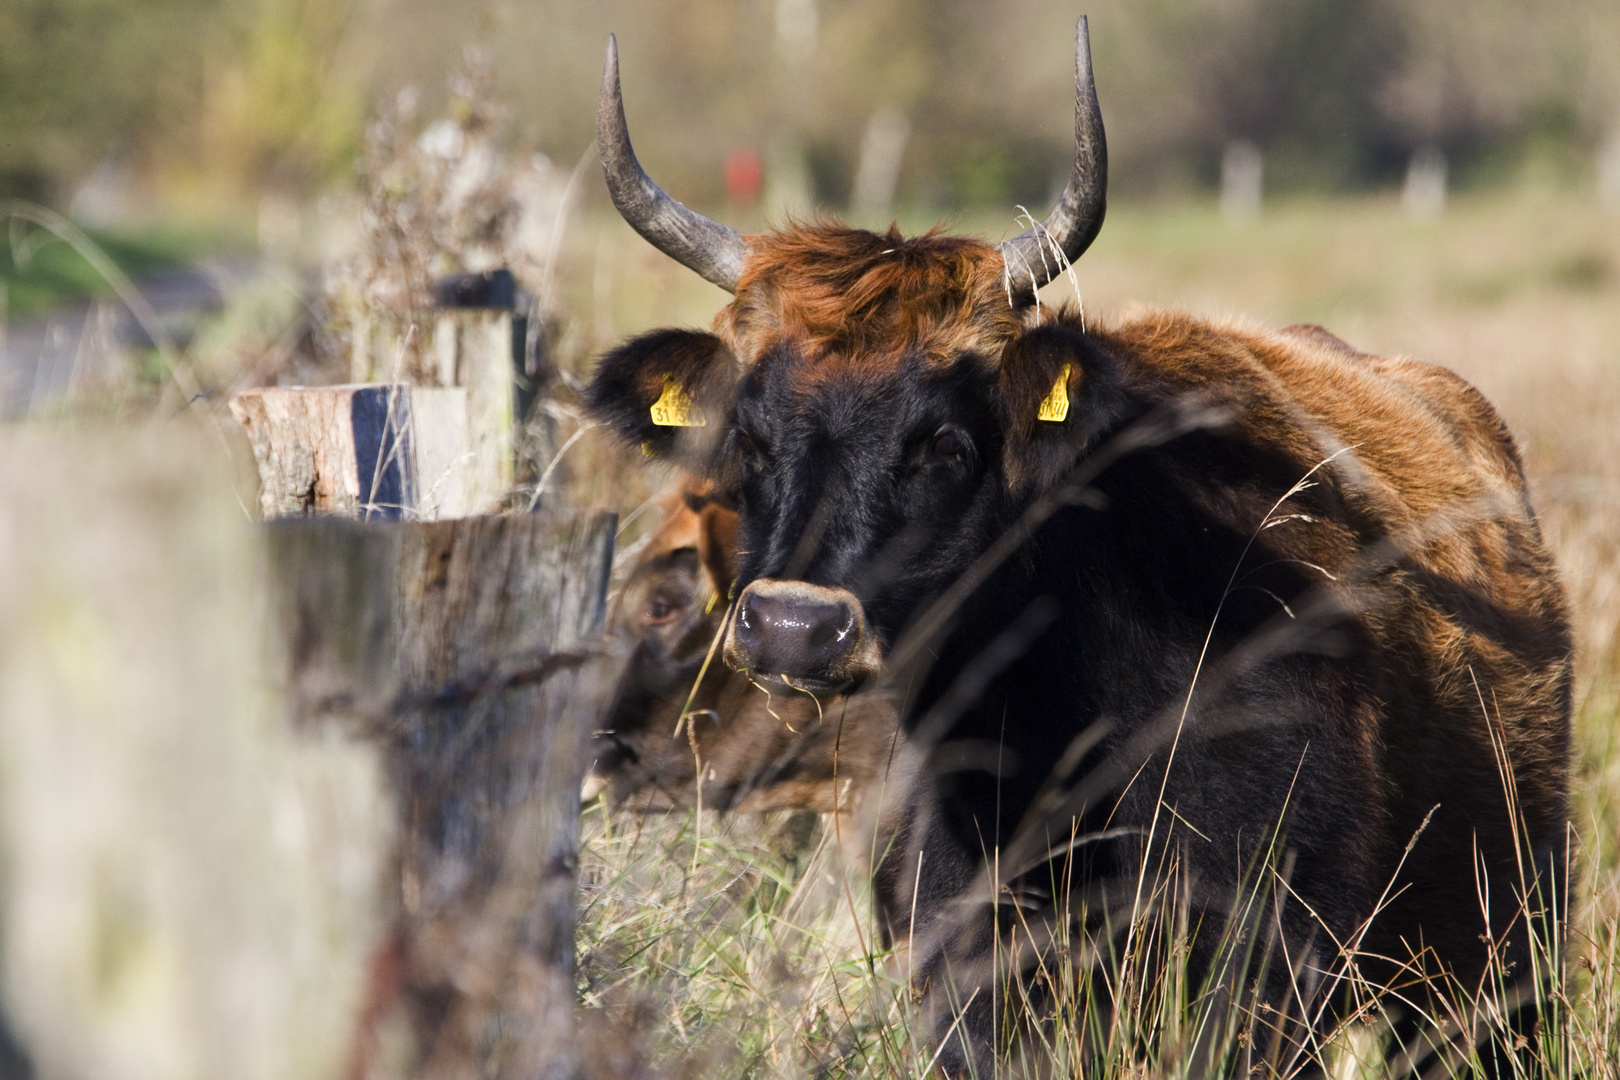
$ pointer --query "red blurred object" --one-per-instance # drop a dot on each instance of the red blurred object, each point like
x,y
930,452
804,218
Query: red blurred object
x,y
745,174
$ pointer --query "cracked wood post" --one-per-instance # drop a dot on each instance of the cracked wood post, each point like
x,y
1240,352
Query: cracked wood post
x,y
377,450
469,650
473,339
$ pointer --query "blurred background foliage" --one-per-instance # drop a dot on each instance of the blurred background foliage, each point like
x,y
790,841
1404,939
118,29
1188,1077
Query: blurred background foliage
x,y
186,100
202,107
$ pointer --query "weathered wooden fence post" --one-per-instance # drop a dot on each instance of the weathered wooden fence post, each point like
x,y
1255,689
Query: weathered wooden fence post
x,y
474,339
470,650
480,339
289,801
385,451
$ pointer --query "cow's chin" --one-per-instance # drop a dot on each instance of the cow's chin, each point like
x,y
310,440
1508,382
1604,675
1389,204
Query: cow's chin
x,y
796,637
783,683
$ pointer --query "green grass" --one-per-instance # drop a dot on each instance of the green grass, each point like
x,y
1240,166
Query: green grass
x,y
39,271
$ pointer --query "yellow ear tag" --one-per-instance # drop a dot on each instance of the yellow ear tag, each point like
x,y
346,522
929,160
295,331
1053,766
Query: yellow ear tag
x,y
675,407
1055,405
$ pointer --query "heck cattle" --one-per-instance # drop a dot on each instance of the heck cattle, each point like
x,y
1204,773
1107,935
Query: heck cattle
x,y
757,749
1158,590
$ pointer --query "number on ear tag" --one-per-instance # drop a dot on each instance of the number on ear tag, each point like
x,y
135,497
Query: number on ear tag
x,y
1055,405
675,407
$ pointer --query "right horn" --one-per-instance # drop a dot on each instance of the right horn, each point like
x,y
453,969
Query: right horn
x,y
1033,257
713,250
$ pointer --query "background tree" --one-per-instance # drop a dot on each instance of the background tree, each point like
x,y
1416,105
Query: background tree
x,y
220,100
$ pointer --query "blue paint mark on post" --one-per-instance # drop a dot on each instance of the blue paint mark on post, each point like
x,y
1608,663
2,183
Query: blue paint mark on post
x,y
384,457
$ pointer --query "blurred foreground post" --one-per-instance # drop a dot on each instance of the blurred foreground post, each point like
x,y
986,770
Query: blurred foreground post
x,y
468,650
190,884
285,801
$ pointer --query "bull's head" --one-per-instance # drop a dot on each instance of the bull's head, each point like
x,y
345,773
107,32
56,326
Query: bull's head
x,y
872,406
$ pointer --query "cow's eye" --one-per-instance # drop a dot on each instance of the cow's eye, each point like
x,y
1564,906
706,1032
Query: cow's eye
x,y
658,612
949,445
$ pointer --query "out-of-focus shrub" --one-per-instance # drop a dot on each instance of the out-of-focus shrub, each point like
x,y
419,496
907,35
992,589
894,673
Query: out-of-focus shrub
x,y
76,76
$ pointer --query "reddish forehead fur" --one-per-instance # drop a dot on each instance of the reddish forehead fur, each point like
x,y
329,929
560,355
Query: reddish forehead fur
x,y
838,292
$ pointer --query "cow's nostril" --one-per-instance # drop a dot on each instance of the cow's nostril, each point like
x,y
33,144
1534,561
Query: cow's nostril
x,y
748,623
833,629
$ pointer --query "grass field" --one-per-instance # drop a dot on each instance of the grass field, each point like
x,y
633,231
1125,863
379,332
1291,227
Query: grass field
x,y
40,272
744,946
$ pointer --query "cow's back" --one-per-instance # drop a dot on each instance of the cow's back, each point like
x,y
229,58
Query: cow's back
x,y
1420,523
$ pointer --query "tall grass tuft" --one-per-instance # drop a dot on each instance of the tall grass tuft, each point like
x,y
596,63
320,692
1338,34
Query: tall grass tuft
x,y
746,948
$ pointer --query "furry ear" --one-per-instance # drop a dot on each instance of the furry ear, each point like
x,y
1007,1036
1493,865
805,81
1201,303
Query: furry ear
x,y
716,533
1059,391
718,548
670,392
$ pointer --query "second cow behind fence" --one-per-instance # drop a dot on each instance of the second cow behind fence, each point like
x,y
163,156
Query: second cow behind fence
x,y
682,713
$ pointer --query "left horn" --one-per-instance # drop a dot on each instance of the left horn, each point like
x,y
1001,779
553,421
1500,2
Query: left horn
x,y
713,250
1032,256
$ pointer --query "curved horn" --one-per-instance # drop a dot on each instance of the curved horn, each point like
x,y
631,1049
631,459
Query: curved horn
x,y
712,249
1032,256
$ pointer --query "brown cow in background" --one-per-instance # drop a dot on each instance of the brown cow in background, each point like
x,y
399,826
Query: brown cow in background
x,y
758,749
